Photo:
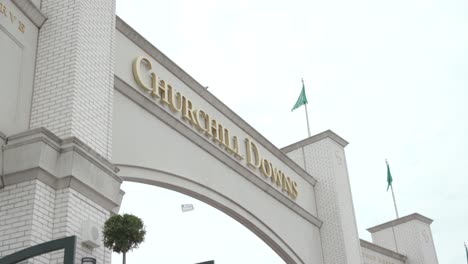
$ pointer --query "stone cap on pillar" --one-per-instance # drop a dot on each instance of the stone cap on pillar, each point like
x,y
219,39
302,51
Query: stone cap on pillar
x,y
399,221
315,138
382,250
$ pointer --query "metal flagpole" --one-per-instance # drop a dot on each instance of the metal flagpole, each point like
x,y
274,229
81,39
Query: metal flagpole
x,y
396,211
394,202
389,179
305,106
307,117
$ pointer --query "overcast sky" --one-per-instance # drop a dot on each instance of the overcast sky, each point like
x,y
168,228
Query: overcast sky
x,y
390,77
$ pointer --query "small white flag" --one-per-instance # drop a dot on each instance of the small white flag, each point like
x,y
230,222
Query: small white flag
x,y
187,207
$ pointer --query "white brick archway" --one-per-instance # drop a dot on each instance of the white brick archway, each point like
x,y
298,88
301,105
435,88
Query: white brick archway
x,y
84,108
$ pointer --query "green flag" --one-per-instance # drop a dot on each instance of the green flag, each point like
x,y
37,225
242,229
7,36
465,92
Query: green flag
x,y
302,100
389,177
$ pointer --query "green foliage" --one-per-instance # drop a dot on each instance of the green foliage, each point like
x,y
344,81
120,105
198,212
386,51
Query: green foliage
x,y
123,233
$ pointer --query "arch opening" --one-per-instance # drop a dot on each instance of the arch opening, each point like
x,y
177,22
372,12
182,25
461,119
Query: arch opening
x,y
213,199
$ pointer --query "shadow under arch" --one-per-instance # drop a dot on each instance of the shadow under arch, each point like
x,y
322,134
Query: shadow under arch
x,y
196,190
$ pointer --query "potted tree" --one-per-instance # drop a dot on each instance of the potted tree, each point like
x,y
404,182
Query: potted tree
x,y
123,233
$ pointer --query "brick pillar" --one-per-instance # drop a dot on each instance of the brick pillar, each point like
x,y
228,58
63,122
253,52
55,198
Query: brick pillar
x,y
51,187
323,157
73,88
409,235
26,217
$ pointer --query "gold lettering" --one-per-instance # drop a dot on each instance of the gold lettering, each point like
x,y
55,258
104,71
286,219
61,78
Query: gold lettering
x,y
3,9
137,70
235,143
286,185
217,131
227,142
277,177
205,128
196,119
163,94
266,168
187,111
210,127
294,191
174,106
154,85
207,125
21,27
213,128
220,137
253,156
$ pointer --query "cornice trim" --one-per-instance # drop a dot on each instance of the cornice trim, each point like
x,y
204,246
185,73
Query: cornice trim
x,y
61,183
31,11
400,221
310,140
61,145
382,250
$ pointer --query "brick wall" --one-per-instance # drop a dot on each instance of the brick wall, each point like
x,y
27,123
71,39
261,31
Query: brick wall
x,y
32,212
325,161
72,209
26,213
73,89
413,239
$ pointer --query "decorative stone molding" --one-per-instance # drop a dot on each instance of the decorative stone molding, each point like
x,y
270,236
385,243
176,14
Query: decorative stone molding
x,y
399,221
39,154
31,11
326,134
382,250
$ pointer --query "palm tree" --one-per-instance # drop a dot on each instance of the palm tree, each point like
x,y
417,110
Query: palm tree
x,y
123,233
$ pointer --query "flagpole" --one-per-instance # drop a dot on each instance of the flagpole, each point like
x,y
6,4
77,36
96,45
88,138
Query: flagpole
x,y
394,202
389,181
466,251
393,194
307,115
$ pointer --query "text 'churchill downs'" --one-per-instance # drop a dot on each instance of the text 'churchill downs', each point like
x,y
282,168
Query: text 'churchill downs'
x,y
178,103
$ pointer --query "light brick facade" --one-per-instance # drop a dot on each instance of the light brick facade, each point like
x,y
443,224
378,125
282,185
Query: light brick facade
x,y
410,236
72,209
20,219
51,188
56,173
32,213
73,88
323,157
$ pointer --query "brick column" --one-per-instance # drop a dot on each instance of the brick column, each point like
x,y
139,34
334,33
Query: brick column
x,y
73,87
52,187
409,235
323,157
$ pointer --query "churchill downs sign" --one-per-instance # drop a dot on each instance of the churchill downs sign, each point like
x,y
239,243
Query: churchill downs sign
x,y
163,92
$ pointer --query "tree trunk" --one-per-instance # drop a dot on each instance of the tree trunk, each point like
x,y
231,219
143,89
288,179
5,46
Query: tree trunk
x,y
124,258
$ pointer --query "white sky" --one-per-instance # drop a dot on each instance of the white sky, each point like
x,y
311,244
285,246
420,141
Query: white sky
x,y
391,77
